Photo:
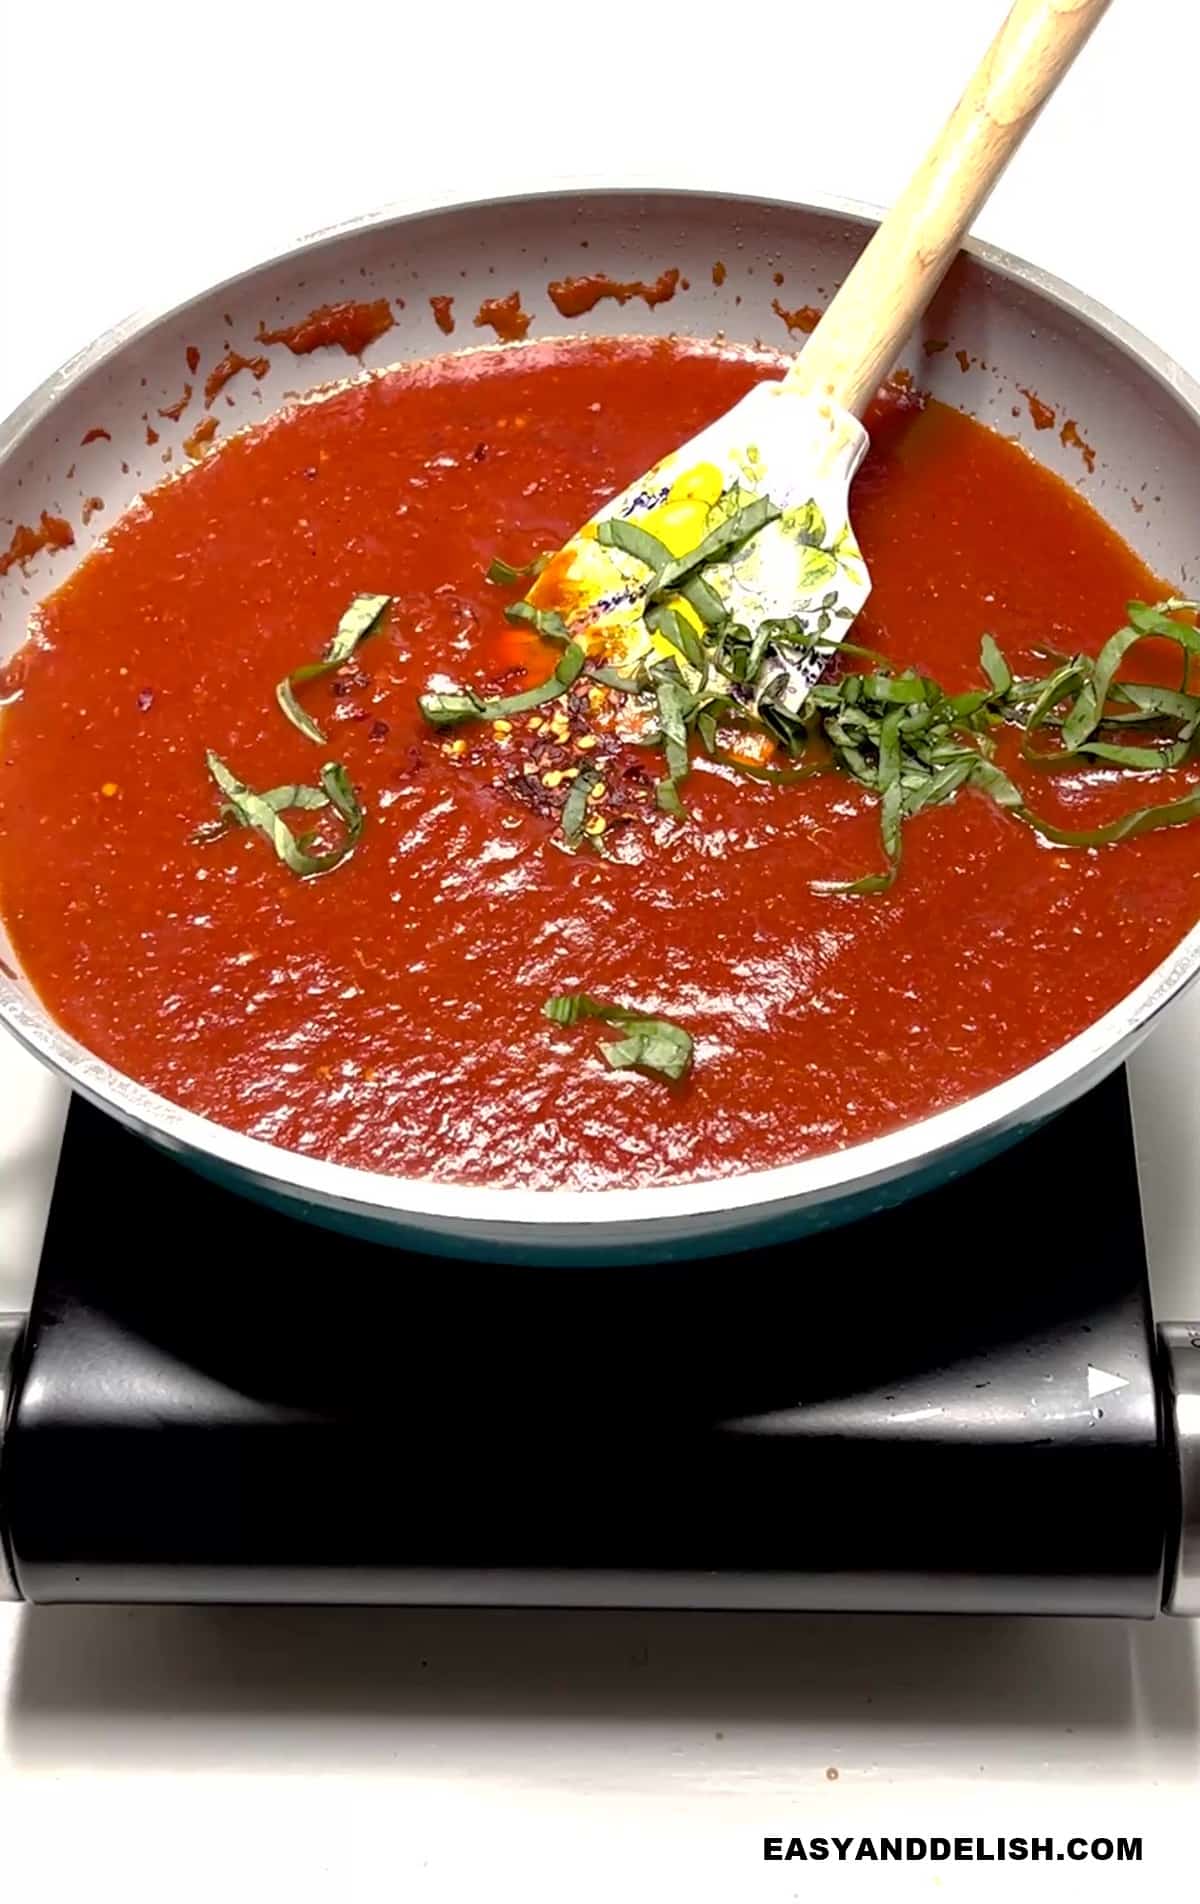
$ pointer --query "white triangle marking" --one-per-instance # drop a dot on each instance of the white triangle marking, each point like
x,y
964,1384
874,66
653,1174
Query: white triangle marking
x,y
1100,1382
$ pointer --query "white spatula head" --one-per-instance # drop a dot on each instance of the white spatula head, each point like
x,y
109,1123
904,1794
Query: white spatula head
x,y
740,539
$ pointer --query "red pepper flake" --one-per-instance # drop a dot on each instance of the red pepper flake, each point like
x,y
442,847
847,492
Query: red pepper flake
x,y
1042,414
804,318
379,731
173,411
145,700
193,359
351,327
718,273
505,316
575,297
51,533
230,366
203,433
92,505
443,313
94,436
1069,436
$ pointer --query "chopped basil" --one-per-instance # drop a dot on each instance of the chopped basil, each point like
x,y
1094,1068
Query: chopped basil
x,y
705,600
263,813
994,665
360,619
298,799
717,546
547,621
677,629
446,710
504,573
619,532
651,1044
575,810
896,732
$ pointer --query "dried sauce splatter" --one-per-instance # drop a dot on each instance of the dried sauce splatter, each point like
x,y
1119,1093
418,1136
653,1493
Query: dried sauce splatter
x,y
1069,436
351,327
1042,414
173,411
93,436
963,360
443,314
933,345
91,506
151,435
52,532
193,359
574,297
804,318
718,273
231,365
505,317
203,433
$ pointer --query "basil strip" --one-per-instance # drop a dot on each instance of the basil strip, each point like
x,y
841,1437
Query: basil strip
x,y
620,532
575,810
652,1044
717,546
359,620
994,665
1002,790
503,573
778,776
704,600
295,798
446,710
259,812
1089,706
547,621
676,707
1099,684
676,629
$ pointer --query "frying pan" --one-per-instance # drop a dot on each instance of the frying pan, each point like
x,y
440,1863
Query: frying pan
x,y
1019,331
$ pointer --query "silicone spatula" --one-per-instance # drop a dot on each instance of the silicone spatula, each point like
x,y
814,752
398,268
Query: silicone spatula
x,y
749,522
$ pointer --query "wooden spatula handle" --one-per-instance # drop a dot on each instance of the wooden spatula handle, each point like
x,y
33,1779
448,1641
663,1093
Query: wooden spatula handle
x,y
861,334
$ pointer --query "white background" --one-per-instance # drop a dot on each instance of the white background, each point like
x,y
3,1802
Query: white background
x,y
174,1753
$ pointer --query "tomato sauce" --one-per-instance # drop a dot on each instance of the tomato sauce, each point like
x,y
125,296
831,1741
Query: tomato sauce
x,y
387,1014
